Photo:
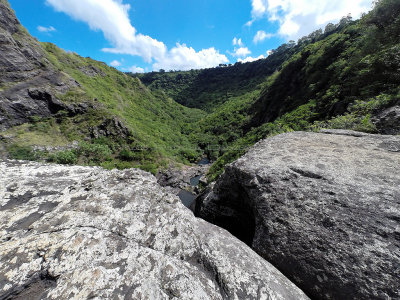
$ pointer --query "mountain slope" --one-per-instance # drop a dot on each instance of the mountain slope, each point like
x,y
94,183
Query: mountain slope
x,y
209,88
346,77
50,99
356,63
24,65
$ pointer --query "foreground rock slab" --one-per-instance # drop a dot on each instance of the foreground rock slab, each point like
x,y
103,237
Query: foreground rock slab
x,y
324,208
80,233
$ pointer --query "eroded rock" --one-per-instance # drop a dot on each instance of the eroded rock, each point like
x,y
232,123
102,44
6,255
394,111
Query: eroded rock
x,y
186,182
324,208
388,121
29,83
110,128
81,232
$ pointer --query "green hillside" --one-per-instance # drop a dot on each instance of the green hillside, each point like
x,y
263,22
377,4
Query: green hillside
x,y
337,78
154,119
119,122
208,88
341,77
340,81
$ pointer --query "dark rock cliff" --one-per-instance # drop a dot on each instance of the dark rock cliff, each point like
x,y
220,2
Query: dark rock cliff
x,y
388,120
324,208
29,84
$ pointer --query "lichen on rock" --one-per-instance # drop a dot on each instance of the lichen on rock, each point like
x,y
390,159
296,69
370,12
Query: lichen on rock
x,y
81,232
322,207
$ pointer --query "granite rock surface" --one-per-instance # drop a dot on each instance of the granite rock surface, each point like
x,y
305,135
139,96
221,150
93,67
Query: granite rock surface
x,y
87,233
324,208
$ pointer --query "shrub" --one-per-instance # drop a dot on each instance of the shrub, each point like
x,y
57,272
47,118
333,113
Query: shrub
x,y
21,152
66,157
149,167
127,155
121,165
188,154
94,153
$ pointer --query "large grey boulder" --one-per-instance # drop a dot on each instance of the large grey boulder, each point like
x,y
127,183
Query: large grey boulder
x,y
87,233
324,208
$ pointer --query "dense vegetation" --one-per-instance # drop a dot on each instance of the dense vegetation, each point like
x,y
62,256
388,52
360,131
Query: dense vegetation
x,y
153,124
336,78
207,89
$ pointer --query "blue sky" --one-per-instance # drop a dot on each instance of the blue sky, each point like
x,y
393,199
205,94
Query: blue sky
x,y
146,35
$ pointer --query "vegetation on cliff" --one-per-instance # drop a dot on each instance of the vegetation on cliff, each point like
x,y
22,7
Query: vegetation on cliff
x,y
337,78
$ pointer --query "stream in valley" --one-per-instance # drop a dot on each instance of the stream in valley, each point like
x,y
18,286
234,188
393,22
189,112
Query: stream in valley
x,y
188,197
184,181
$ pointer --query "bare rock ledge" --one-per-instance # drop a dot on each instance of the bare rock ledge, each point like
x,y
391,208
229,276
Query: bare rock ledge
x,y
87,233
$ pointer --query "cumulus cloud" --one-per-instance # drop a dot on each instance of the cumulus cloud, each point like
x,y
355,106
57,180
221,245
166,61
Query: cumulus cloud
x,y
135,69
115,63
251,59
182,57
112,18
46,29
300,17
261,36
241,52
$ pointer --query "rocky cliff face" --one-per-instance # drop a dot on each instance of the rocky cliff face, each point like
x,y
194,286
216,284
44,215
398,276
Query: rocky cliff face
x,y
21,55
388,120
28,82
80,233
324,208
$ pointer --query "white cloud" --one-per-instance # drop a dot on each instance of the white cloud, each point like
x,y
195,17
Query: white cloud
x,y
112,18
237,42
300,17
182,57
259,8
115,63
241,52
46,29
251,59
261,36
135,69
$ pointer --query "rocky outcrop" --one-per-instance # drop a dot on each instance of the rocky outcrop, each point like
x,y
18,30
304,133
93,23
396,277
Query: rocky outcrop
x,y
388,121
111,128
183,178
21,55
324,208
186,182
30,85
28,82
86,233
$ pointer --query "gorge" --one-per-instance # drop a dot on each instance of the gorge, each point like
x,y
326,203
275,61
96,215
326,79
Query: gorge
x,y
289,168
